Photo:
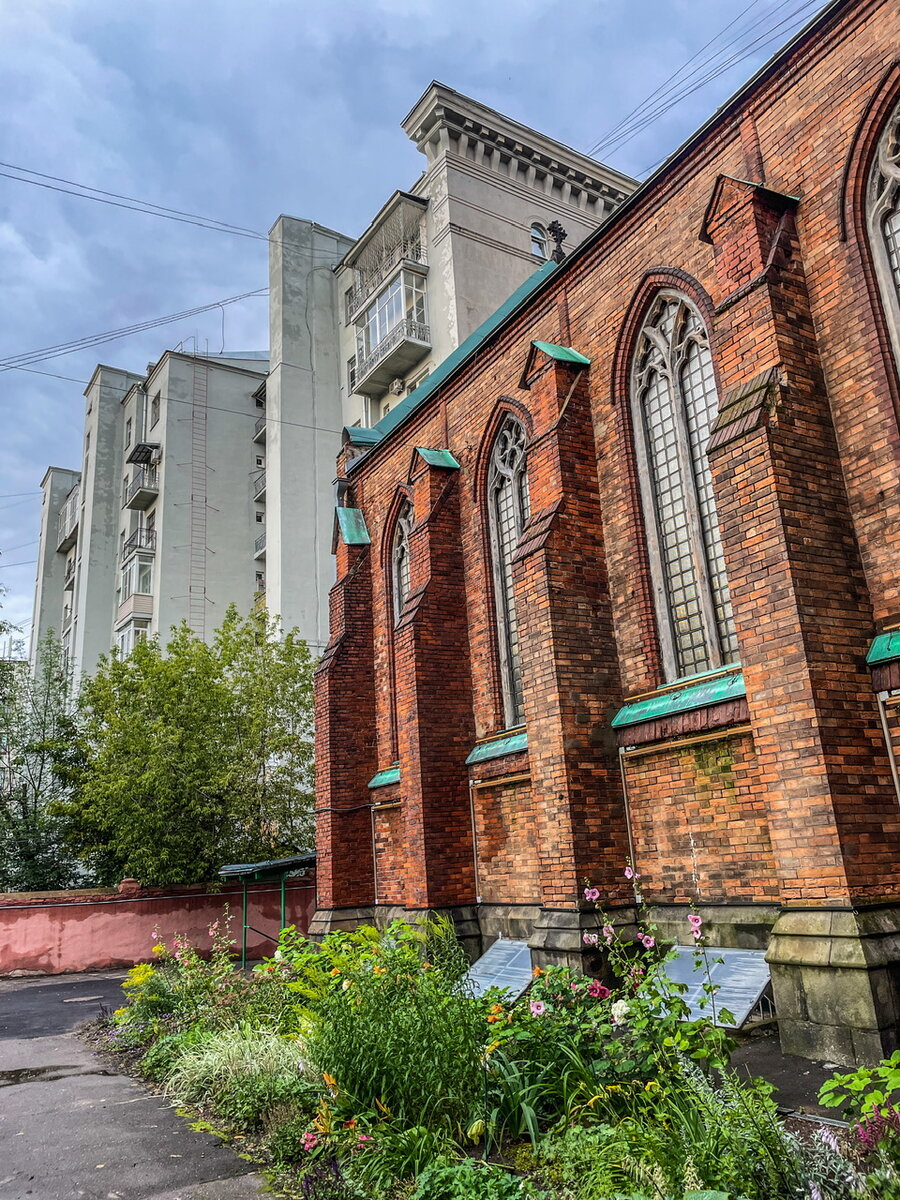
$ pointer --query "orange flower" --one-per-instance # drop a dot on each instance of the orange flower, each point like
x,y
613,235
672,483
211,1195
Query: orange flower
x,y
379,970
537,971
426,966
492,1018
497,1008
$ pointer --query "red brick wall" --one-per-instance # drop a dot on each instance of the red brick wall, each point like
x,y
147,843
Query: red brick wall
x,y
809,507
698,819
390,850
507,838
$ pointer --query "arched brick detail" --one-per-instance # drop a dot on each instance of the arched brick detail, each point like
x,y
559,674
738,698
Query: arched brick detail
x,y
402,495
852,221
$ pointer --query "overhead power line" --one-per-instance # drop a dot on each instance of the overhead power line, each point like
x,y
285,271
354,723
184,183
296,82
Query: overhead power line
x,y
110,335
705,71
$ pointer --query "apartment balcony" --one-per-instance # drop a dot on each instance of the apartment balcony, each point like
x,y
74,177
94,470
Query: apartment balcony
x,y
405,254
69,579
259,546
138,604
259,486
67,527
143,489
259,430
406,344
68,613
141,539
143,453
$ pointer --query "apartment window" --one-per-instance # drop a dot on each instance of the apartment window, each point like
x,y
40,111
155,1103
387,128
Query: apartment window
x,y
150,530
508,511
538,241
400,573
260,581
260,402
124,488
137,578
128,427
154,411
348,304
674,402
260,461
351,374
402,300
417,382
260,517
883,221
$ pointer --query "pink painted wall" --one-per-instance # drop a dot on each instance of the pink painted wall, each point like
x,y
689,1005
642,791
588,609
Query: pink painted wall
x,y
48,933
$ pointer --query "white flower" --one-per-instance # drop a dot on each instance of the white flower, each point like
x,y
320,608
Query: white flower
x,y
619,1012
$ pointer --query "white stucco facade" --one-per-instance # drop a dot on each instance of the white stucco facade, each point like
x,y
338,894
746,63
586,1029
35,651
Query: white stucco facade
x,y
209,480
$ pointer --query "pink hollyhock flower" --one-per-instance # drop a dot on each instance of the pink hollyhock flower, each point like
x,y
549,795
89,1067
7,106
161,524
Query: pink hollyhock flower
x,y
608,934
591,893
597,990
538,1008
647,941
590,939
310,1140
698,934
695,920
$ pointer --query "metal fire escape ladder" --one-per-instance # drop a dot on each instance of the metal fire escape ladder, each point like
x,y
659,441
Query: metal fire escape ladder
x,y
199,481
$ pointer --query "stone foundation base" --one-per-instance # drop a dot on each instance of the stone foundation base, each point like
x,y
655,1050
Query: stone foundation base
x,y
836,982
464,917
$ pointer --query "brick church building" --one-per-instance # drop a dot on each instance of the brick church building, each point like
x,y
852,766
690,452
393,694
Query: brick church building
x,y
620,582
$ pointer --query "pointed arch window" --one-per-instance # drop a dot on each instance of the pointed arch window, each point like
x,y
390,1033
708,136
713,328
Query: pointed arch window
x,y
883,222
400,559
674,402
509,510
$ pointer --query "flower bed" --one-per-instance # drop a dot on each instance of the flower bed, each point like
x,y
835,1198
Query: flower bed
x,y
364,1067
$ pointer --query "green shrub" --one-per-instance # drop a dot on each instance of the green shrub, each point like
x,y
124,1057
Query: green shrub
x,y
468,1180
160,1059
395,1154
862,1091
390,1023
241,1073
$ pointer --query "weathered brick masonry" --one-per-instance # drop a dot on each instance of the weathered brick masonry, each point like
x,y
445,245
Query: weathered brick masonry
x,y
776,809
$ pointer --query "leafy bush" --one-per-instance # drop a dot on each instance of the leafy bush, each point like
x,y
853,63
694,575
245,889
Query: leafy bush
x,y
241,1073
468,1180
390,1023
397,1153
863,1091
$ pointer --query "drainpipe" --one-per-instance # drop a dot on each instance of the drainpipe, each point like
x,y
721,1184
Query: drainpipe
x,y
472,783
627,806
881,699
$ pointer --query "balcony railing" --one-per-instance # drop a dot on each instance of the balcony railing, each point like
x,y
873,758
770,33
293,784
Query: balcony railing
x,y
259,430
259,546
369,281
141,539
401,349
69,580
259,486
68,521
143,489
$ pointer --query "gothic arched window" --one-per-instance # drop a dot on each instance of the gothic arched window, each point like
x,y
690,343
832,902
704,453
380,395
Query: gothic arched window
x,y
674,401
509,509
883,222
400,559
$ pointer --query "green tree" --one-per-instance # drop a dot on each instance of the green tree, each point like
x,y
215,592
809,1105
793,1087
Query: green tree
x,y
36,729
194,755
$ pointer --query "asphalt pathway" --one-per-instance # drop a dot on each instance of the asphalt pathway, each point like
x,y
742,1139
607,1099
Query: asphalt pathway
x,y
73,1128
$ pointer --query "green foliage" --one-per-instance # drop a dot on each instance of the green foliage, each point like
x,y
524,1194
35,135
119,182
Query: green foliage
x,y
861,1092
397,1153
193,755
241,1074
468,1180
37,727
390,1022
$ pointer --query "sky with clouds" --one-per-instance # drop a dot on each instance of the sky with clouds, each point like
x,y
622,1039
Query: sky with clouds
x,y
244,109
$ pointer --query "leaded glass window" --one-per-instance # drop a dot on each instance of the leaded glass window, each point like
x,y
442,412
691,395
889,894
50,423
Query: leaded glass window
x,y
674,402
400,559
509,509
883,220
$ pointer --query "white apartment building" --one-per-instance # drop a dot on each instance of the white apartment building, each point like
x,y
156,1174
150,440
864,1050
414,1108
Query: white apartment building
x,y
208,480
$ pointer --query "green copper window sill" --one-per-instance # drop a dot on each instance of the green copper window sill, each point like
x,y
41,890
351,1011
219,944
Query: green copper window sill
x,y
383,778
716,691
352,525
885,648
506,743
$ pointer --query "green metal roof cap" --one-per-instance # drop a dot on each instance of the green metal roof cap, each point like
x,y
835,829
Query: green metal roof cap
x,y
414,400
511,743
716,691
562,353
359,435
438,458
885,648
352,525
383,778
272,868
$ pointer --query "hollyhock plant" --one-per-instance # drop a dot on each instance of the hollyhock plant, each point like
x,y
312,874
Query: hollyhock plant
x,y
597,990
590,939
538,1008
592,894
